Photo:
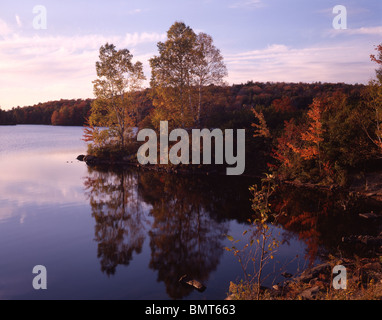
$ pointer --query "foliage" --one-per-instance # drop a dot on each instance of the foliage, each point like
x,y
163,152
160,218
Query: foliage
x,y
261,128
62,112
262,244
371,121
115,106
186,66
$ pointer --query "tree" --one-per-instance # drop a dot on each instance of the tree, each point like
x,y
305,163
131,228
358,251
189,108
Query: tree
x,y
172,74
378,60
312,137
283,105
209,69
289,162
261,128
118,79
187,63
371,122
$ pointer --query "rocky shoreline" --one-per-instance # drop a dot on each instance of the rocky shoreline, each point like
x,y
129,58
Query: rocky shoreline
x,y
364,282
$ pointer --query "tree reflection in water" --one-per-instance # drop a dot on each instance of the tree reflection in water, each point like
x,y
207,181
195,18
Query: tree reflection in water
x,y
322,218
120,220
185,219
184,238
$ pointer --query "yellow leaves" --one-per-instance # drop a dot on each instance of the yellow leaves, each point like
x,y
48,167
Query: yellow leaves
x,y
230,238
261,129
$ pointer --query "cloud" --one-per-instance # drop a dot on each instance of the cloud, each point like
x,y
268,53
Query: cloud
x,y
365,31
40,68
134,11
247,4
4,29
18,21
345,62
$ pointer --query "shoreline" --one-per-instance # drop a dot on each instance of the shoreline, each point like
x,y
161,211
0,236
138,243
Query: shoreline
x,y
370,186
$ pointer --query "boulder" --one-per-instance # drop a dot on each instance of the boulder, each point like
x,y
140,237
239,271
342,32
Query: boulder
x,y
81,157
310,294
91,160
193,283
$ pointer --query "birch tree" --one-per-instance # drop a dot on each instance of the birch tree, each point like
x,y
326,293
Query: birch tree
x,y
187,64
114,107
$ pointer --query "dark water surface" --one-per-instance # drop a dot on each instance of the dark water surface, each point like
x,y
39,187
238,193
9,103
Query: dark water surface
x,y
129,234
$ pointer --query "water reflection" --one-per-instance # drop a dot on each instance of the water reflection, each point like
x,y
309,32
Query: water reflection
x,y
184,238
322,218
185,220
121,223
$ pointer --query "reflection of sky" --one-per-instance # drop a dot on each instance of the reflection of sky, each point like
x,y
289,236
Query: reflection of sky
x,y
42,177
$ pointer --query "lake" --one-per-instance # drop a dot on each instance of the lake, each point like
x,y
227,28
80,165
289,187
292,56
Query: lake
x,y
130,234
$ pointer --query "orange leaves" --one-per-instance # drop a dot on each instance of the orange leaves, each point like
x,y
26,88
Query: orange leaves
x,y
88,134
298,144
261,129
287,144
312,137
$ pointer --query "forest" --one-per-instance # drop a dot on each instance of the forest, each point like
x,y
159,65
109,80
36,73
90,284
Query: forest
x,y
60,113
227,106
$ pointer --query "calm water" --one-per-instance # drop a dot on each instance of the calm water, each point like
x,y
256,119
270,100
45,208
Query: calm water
x,y
125,234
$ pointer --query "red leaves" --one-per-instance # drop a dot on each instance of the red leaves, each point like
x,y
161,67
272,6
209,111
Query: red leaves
x,y
379,59
301,143
283,105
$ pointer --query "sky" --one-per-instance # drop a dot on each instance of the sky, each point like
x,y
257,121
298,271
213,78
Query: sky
x,y
48,48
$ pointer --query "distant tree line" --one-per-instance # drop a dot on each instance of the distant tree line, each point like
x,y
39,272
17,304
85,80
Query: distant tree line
x,y
62,113
225,106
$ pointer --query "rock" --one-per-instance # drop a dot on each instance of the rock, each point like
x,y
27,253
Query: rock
x,y
193,283
310,294
91,160
81,157
276,287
